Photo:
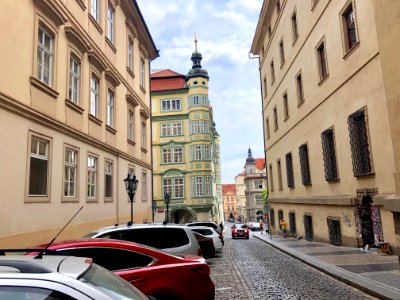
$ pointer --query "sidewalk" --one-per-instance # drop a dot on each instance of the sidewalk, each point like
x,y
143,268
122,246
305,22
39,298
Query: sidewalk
x,y
377,275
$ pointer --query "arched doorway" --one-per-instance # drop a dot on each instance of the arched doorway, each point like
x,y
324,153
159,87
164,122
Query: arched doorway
x,y
182,215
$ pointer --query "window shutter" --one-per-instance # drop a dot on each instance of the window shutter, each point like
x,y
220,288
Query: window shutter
x,y
192,186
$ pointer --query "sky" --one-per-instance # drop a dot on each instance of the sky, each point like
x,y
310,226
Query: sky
x,y
225,31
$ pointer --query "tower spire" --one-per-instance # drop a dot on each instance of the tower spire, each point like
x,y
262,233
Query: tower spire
x,y
195,42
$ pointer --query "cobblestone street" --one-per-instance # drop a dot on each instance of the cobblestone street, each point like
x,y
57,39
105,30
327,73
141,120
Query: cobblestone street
x,y
252,269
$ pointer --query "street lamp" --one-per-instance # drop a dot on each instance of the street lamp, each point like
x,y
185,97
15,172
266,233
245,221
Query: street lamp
x,y
131,184
167,199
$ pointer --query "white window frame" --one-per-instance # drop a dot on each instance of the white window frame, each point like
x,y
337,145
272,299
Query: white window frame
x,y
44,52
110,23
142,73
94,10
174,186
143,133
197,152
130,54
39,153
198,186
92,163
131,123
110,107
205,126
144,186
74,79
70,172
171,105
94,95
196,127
108,171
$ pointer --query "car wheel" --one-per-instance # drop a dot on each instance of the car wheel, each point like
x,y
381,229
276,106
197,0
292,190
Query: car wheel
x,y
247,237
233,237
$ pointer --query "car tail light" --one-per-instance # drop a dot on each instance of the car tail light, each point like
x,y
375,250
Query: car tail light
x,y
204,269
199,252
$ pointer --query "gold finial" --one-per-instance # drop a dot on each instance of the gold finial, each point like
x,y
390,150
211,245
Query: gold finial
x,y
195,41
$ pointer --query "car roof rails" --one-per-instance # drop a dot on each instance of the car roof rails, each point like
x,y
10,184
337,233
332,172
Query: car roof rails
x,y
24,266
40,251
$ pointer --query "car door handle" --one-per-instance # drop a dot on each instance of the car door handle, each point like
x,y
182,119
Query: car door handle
x,y
136,280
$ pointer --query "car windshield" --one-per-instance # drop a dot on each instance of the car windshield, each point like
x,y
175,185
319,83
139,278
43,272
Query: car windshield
x,y
110,284
240,225
90,234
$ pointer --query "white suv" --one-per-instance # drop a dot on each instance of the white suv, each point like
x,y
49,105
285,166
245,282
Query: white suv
x,y
60,278
174,239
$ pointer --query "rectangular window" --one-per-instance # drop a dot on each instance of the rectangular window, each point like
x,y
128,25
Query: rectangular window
x,y
278,7
286,106
289,170
199,186
172,155
130,54
359,141
196,100
294,27
44,56
143,129
304,165
207,187
271,178
171,104
272,72
167,186
39,167
269,32
272,217
171,129
197,152
279,170
110,108
108,172
207,152
268,131
92,177
196,127
144,186
110,23
70,169
282,52
329,154
349,26
74,79
300,92
323,67
265,86
130,124
142,73
174,187
205,127
275,119
94,96
94,10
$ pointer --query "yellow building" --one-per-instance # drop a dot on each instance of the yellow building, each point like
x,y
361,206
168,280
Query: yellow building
x,y
230,201
74,116
185,146
329,72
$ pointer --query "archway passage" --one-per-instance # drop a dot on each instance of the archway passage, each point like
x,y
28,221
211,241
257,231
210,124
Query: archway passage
x,y
181,216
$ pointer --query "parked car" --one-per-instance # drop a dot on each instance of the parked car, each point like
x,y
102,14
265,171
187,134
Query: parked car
x,y
206,245
153,271
210,232
61,277
240,230
173,239
208,224
254,226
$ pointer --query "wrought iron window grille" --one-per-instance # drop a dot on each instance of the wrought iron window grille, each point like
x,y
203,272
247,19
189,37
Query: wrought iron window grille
x,y
304,165
289,170
329,155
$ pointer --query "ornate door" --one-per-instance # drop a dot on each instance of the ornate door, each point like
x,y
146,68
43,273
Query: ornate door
x,y
334,231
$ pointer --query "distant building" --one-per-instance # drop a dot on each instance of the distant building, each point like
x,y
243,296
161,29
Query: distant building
x,y
241,197
74,117
185,146
330,99
230,201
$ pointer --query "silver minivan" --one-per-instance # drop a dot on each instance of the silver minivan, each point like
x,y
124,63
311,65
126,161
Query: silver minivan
x,y
174,239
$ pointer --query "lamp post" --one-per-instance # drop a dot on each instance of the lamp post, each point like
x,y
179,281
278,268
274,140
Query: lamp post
x,y
167,199
131,184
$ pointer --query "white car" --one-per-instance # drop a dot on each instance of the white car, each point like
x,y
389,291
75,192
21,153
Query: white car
x,y
212,233
61,277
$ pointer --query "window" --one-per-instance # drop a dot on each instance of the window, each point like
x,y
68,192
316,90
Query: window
x,y
130,54
207,152
171,129
300,92
201,186
196,100
323,67
349,26
94,96
304,165
39,167
207,187
285,106
92,177
265,86
144,186
269,32
271,178
268,131
144,129
108,174
44,55
174,187
110,23
31,292
272,72
329,154
205,126
170,104
258,184
110,108
74,79
94,10
295,31
196,126
282,52
172,155
278,7
272,217
142,73
275,119
359,141
197,152
396,219
279,170
70,166
289,170
130,124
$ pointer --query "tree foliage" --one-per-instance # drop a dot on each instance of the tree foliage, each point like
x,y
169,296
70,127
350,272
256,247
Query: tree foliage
x,y
264,195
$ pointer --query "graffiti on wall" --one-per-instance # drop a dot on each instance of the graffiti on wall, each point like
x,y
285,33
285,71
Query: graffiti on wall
x,y
347,220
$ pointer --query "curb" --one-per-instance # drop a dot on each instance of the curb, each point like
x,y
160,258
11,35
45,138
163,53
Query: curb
x,y
366,285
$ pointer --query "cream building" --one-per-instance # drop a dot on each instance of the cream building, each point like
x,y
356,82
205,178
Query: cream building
x,y
74,117
230,201
329,72
241,197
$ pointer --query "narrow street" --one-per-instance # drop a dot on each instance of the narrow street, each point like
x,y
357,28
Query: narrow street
x,y
252,269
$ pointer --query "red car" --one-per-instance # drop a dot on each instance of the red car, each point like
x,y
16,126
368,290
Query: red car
x,y
154,272
240,230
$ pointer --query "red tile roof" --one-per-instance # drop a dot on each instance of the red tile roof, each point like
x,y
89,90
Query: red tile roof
x,y
164,80
228,188
260,163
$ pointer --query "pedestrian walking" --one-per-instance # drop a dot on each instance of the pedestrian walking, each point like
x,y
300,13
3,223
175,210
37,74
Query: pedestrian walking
x,y
221,226
261,226
283,226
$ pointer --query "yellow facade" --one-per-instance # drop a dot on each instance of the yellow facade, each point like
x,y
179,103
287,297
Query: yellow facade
x,y
70,77
329,94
